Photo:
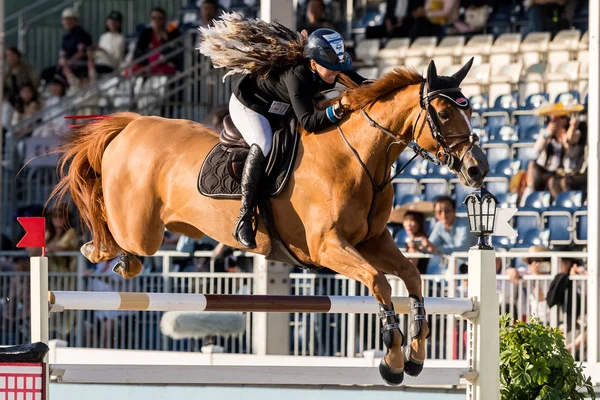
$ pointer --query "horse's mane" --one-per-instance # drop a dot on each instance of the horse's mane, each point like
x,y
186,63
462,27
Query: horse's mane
x,y
399,77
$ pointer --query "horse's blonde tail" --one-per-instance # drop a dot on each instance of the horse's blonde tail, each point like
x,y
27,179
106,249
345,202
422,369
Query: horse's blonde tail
x,y
80,169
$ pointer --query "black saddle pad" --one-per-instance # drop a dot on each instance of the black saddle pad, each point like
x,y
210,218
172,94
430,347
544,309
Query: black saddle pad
x,y
221,170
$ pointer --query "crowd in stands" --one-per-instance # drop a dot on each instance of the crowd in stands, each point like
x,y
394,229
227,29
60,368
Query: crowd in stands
x,y
559,165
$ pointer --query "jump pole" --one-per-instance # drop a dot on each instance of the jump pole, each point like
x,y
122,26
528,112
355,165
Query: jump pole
x,y
481,308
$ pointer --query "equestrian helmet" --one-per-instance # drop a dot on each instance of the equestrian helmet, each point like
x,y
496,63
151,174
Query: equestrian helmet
x,y
326,47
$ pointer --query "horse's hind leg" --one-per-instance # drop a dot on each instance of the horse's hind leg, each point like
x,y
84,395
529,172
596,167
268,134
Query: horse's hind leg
x,y
338,255
383,253
88,251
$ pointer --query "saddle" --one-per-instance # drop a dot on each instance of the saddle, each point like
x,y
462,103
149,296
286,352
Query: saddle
x,y
221,172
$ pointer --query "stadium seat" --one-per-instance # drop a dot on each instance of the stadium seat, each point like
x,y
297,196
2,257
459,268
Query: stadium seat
x,y
560,77
496,184
568,98
479,104
436,171
496,152
507,200
564,43
581,227
533,80
559,218
479,47
504,134
524,220
499,114
401,199
525,152
538,200
431,188
505,168
400,237
525,115
366,51
533,48
505,48
530,133
460,193
533,237
404,186
394,49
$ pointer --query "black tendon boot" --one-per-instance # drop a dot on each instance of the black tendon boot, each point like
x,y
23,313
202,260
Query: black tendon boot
x,y
244,231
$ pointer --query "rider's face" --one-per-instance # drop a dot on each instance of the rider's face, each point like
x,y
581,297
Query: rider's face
x,y
327,75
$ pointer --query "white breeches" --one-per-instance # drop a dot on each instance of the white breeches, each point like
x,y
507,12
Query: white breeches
x,y
254,127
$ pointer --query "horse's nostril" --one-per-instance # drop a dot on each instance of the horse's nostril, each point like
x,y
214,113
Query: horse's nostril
x,y
474,172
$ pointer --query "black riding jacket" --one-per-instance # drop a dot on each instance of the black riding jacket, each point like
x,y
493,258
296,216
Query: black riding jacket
x,y
292,90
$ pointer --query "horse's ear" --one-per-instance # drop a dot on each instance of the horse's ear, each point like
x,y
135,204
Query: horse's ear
x,y
462,73
431,75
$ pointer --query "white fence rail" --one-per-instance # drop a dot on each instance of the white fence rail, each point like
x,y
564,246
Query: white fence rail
x,y
311,334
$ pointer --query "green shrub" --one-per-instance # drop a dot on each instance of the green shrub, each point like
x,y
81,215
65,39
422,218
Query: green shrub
x,y
535,365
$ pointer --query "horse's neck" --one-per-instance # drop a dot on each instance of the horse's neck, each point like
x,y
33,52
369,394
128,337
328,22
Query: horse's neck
x,y
374,146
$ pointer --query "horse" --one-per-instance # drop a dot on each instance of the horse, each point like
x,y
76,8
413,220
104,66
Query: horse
x,y
132,176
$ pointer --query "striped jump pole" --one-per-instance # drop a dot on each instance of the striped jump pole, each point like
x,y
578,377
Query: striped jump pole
x,y
481,309
109,301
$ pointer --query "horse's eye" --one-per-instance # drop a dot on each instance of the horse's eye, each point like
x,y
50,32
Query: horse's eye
x,y
444,114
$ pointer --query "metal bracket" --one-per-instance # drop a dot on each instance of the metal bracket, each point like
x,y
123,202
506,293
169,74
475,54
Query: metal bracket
x,y
470,376
58,374
474,313
55,308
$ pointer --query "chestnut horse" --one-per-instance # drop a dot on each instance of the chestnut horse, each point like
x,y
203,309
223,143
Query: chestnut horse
x,y
132,176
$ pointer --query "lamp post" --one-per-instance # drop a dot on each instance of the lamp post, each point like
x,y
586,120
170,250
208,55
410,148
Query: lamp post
x,y
481,209
483,336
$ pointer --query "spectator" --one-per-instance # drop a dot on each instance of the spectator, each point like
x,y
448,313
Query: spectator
x,y
208,12
28,105
561,164
154,37
433,17
60,236
449,234
74,44
315,17
397,21
111,45
87,103
17,74
414,225
54,125
545,16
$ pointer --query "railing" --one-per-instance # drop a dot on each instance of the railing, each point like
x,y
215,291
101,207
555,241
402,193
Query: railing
x,y
39,23
312,334
192,94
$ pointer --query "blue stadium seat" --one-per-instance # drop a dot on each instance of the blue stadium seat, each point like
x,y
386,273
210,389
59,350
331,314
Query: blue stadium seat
x,y
525,220
496,152
504,134
581,227
502,242
400,238
496,184
460,193
435,171
507,200
505,168
401,199
434,187
559,226
532,237
416,166
571,201
525,115
539,201
404,186
530,134
568,98
479,103
500,114
525,152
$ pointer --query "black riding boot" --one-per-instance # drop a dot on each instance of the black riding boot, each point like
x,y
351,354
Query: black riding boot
x,y
244,232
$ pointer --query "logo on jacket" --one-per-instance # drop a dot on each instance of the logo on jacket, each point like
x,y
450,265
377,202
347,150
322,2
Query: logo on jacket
x,y
337,44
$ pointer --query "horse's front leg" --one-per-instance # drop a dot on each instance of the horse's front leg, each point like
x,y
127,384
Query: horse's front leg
x,y
383,253
337,254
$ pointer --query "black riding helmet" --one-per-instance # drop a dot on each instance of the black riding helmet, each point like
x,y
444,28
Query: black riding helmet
x,y
326,47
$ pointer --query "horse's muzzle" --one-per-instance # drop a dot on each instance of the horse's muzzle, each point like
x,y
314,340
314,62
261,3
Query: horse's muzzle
x,y
475,168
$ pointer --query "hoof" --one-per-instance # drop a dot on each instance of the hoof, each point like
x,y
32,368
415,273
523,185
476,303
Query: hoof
x,y
128,267
391,376
411,366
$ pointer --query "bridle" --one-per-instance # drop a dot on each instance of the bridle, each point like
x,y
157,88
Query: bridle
x,y
448,159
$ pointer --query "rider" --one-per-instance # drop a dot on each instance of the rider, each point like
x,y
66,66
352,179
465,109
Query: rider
x,y
257,106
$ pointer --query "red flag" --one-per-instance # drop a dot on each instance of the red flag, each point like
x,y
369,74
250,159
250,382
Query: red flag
x,y
35,233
